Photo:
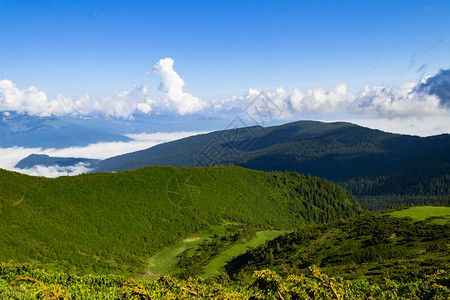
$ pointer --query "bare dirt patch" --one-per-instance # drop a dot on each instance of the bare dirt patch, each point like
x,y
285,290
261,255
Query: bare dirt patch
x,y
191,239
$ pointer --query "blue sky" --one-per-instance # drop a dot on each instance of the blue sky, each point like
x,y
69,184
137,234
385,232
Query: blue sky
x,y
220,49
380,64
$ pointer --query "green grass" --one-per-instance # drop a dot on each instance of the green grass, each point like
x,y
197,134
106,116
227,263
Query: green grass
x,y
164,262
420,213
217,264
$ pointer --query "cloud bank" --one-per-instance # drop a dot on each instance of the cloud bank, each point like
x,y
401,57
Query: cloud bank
x,y
405,101
9,157
430,97
34,102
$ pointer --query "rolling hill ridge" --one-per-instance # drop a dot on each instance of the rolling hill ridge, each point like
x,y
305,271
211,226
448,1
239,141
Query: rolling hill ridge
x,y
381,169
114,222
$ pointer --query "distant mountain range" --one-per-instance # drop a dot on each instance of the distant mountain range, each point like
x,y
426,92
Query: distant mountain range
x,y
67,131
51,132
370,163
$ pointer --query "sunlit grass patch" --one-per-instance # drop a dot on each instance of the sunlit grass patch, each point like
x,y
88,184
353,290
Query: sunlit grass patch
x,y
420,213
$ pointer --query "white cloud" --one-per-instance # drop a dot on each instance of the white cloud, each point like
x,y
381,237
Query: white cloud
x,y
403,102
426,126
9,157
122,104
172,85
126,103
253,100
106,150
429,97
438,85
56,171
316,101
319,101
34,102
30,101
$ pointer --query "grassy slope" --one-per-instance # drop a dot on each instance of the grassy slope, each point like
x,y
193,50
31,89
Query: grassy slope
x,y
113,223
375,245
216,265
165,260
424,212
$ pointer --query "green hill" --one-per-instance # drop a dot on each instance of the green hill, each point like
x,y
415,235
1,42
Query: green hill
x,y
376,246
113,223
381,169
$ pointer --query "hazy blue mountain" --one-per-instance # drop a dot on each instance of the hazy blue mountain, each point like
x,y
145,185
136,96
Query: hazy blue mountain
x,y
50,132
45,160
142,123
66,131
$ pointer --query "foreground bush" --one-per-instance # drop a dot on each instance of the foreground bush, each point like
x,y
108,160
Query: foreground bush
x,y
25,282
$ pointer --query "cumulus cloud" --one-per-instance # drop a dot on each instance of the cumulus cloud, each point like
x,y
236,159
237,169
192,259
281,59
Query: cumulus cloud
x,y
430,97
34,102
30,101
320,101
251,96
9,157
123,104
172,86
404,101
126,103
438,85
312,101
315,101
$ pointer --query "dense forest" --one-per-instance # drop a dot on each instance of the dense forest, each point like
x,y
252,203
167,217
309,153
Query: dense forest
x,y
376,246
113,223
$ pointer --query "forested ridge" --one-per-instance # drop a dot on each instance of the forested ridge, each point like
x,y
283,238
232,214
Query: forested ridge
x,y
381,169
